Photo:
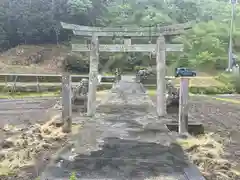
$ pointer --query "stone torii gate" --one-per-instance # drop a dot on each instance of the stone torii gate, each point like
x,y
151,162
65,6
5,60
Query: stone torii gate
x,y
159,49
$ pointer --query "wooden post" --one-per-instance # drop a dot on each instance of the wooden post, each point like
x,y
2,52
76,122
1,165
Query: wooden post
x,y
66,102
183,106
161,84
93,76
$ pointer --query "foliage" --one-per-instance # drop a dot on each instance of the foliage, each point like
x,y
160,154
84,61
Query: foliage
x,y
75,63
206,44
73,176
236,83
230,80
212,90
224,78
137,68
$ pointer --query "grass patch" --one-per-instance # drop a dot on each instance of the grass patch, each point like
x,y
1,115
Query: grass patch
x,y
26,94
201,82
206,152
201,90
211,81
230,80
227,100
73,176
151,92
108,74
211,90
201,85
35,94
205,88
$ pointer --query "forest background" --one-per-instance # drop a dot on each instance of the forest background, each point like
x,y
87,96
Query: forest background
x,y
34,22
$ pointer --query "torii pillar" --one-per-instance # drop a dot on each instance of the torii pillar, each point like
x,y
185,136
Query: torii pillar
x,y
161,71
93,76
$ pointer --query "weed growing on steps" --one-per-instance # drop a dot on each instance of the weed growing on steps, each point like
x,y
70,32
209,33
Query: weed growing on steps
x,y
73,176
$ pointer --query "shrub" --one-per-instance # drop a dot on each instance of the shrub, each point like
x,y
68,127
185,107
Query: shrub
x,y
137,68
73,176
236,83
107,79
225,78
75,63
212,90
205,90
230,81
102,87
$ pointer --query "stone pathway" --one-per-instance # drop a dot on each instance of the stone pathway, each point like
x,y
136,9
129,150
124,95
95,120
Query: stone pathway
x,y
125,140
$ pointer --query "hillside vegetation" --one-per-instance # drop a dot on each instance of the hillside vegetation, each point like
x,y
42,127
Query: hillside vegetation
x,y
24,22
33,59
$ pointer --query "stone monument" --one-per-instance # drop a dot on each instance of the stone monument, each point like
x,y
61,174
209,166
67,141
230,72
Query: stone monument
x,y
80,96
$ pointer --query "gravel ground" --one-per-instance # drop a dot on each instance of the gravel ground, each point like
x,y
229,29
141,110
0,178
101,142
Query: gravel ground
x,y
24,111
219,117
24,114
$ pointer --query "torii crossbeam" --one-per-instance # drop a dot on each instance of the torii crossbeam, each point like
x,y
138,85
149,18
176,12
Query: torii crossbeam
x,y
159,49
